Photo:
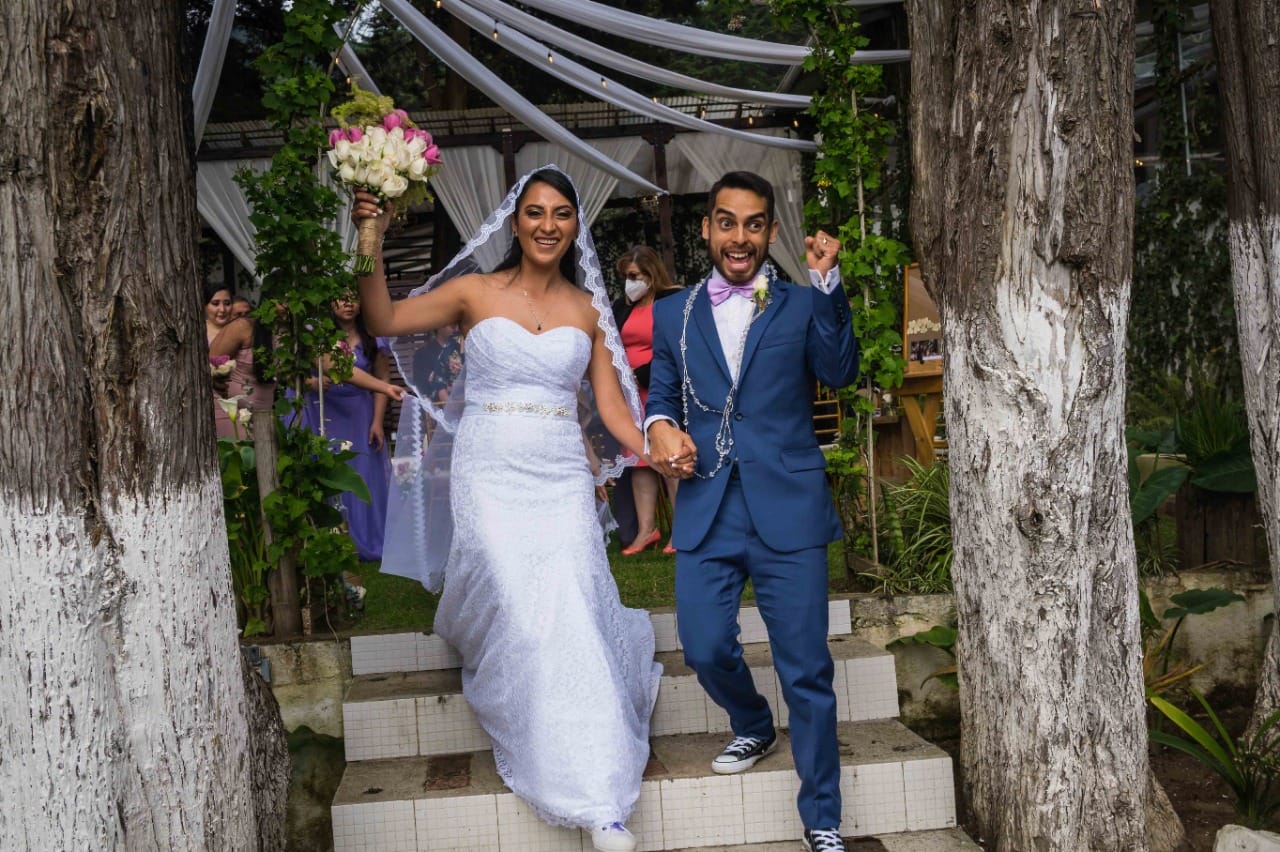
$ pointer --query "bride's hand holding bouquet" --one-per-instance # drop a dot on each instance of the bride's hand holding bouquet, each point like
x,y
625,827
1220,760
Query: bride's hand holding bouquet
x,y
379,151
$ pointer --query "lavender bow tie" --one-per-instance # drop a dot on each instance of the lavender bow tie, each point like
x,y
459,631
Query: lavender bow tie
x,y
718,289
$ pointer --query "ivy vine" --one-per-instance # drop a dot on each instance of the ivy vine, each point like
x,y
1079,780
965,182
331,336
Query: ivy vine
x,y
852,199
304,270
1182,321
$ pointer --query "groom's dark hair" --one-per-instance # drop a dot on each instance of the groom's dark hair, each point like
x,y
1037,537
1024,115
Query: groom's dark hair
x,y
555,179
749,181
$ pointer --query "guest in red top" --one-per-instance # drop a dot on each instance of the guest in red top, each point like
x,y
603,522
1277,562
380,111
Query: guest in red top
x,y
646,280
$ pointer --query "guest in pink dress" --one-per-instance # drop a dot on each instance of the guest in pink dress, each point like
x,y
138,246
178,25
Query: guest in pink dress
x,y
247,384
646,280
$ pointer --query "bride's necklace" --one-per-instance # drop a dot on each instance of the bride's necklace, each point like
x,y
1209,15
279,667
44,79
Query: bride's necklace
x,y
528,301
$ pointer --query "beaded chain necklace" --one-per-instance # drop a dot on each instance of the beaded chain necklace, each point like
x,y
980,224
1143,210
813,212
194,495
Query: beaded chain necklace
x,y
724,434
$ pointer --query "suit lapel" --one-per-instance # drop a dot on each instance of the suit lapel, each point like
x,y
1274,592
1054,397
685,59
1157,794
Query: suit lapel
x,y
758,328
706,323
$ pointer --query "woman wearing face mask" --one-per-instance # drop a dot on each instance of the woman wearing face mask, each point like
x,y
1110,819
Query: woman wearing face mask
x,y
646,280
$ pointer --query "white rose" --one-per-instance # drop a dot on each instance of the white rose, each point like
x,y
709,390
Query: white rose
x,y
377,138
394,186
374,178
333,158
396,132
362,175
343,149
416,146
418,168
347,172
761,284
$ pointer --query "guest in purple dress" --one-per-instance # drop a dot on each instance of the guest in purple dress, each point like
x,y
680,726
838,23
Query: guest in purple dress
x,y
354,411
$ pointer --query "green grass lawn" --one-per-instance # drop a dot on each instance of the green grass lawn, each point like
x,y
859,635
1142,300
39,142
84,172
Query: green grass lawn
x,y
645,581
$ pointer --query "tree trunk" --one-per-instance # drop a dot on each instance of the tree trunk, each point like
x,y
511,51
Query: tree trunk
x,y
1022,218
282,581
1244,36
123,712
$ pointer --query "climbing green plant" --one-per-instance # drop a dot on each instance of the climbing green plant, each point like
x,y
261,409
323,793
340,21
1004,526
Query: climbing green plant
x,y
853,200
303,269
1183,315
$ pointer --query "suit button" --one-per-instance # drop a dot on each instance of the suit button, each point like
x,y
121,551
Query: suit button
x,y
737,416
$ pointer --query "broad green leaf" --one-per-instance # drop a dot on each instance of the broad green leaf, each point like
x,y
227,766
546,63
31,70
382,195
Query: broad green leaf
x,y
1200,601
1159,486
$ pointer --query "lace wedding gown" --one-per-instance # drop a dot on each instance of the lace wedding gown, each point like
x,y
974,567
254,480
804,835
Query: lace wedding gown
x,y
560,674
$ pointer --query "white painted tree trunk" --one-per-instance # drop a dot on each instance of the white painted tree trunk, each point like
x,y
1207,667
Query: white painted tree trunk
x,y
1244,34
1022,218
123,710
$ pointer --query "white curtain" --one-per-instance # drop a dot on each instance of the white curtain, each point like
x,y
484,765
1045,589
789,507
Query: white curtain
x,y
711,157
223,207
595,187
210,69
471,185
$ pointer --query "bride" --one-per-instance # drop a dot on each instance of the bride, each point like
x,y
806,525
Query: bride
x,y
495,500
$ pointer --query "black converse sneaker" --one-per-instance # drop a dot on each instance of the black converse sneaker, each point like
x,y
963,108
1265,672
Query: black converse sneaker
x,y
742,754
823,840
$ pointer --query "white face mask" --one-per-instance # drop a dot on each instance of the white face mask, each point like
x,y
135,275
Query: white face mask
x,y
636,288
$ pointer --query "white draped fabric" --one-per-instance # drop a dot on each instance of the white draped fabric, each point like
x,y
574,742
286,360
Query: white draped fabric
x,y
588,80
594,186
712,157
660,33
451,54
620,63
470,186
353,67
223,207
210,69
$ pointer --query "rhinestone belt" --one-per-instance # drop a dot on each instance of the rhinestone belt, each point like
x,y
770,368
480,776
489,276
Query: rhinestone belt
x,y
540,409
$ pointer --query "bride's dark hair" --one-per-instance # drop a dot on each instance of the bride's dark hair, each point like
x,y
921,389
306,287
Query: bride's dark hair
x,y
561,184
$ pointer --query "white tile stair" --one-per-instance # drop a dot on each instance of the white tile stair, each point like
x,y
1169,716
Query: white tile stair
x,y
420,776
891,781
407,714
381,653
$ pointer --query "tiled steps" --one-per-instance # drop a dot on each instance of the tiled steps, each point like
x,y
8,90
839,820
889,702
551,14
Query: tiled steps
x,y
424,713
891,781
382,653
941,840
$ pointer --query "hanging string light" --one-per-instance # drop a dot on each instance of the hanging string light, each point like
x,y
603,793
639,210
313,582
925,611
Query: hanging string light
x,y
495,29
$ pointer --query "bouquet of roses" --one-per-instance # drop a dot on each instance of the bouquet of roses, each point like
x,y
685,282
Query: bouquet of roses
x,y
220,366
380,150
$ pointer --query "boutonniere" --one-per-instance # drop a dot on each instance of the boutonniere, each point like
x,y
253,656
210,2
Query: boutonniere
x,y
760,292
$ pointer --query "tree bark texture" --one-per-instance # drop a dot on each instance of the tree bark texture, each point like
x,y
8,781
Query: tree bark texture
x,y
123,713
1022,216
1248,53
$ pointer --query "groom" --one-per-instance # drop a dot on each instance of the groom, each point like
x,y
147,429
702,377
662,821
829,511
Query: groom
x,y
731,411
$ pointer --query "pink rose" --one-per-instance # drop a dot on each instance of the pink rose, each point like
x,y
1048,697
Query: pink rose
x,y
219,360
404,116
432,155
426,137
355,134
391,121
335,136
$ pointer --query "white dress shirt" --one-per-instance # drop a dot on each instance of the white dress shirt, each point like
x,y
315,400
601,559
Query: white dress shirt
x,y
732,317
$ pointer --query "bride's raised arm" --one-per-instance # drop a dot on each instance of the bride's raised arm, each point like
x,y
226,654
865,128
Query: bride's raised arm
x,y
444,305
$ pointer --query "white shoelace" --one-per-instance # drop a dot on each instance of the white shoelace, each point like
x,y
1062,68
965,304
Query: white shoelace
x,y
826,840
742,745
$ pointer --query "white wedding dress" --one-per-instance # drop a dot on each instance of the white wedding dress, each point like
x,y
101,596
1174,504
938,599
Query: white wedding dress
x,y
559,673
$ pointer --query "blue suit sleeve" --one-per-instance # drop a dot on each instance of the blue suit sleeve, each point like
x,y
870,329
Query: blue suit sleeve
x,y
664,372
831,347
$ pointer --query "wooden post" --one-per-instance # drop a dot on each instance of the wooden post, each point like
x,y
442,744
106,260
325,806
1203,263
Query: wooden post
x,y
658,135
282,582
509,156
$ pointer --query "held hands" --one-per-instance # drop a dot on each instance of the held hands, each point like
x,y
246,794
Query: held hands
x,y
376,437
821,252
671,451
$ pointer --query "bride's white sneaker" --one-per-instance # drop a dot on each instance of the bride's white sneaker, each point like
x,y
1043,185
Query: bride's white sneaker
x,y
613,837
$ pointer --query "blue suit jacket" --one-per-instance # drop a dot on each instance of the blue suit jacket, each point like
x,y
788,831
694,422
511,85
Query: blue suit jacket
x,y
803,335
